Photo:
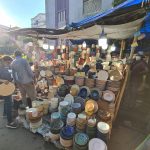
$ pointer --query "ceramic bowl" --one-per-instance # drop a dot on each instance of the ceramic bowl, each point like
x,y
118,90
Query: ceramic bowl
x,y
80,100
95,94
108,96
103,127
55,127
69,98
81,139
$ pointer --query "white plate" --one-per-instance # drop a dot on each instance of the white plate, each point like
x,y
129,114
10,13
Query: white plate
x,y
103,127
108,96
102,75
97,144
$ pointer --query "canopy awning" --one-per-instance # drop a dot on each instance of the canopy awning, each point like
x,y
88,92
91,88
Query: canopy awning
x,y
122,24
126,7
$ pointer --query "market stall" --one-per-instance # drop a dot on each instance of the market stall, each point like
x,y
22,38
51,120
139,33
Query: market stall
x,y
80,88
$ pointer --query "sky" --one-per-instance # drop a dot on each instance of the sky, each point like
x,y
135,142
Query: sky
x,y
19,12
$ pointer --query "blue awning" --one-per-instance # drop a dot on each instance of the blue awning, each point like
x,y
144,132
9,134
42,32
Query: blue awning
x,y
146,26
98,16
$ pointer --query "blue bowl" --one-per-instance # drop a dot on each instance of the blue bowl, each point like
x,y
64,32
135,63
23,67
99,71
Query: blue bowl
x,y
67,132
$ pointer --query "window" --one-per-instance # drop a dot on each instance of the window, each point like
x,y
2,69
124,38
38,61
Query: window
x,y
62,16
59,17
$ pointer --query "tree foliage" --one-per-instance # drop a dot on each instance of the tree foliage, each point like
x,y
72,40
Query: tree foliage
x,y
117,2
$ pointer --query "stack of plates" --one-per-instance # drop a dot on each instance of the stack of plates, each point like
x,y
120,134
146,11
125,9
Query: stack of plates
x,y
55,127
113,85
104,115
103,131
91,128
55,116
80,100
108,96
101,84
36,125
90,82
97,144
53,104
64,109
71,119
69,98
45,107
76,108
81,123
69,80
66,136
111,108
79,81
102,75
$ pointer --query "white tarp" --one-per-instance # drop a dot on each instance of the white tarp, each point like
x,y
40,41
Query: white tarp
x,y
122,31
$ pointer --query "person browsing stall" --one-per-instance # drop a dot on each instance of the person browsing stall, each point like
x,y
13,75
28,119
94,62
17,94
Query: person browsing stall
x,y
5,77
23,77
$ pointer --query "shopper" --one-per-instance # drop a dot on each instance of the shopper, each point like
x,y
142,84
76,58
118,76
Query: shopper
x,y
139,69
5,75
23,77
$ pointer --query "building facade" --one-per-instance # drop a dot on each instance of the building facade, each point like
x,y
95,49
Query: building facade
x,y
60,13
39,21
91,7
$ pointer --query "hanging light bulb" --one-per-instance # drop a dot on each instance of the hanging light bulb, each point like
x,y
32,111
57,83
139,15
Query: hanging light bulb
x,y
102,39
84,44
52,47
105,46
45,44
113,48
63,46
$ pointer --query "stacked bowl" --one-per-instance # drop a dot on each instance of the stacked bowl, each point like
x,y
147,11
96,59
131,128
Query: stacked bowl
x,y
71,119
64,109
90,82
103,130
91,128
81,123
80,141
79,81
66,136
53,104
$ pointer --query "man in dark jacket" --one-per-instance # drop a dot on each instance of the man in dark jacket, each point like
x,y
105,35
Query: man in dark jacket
x,y
6,75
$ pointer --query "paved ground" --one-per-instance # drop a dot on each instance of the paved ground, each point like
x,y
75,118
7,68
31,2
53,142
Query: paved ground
x,y
129,130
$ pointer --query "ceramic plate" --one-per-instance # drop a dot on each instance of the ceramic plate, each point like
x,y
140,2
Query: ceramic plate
x,y
103,127
102,75
97,144
108,96
81,139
